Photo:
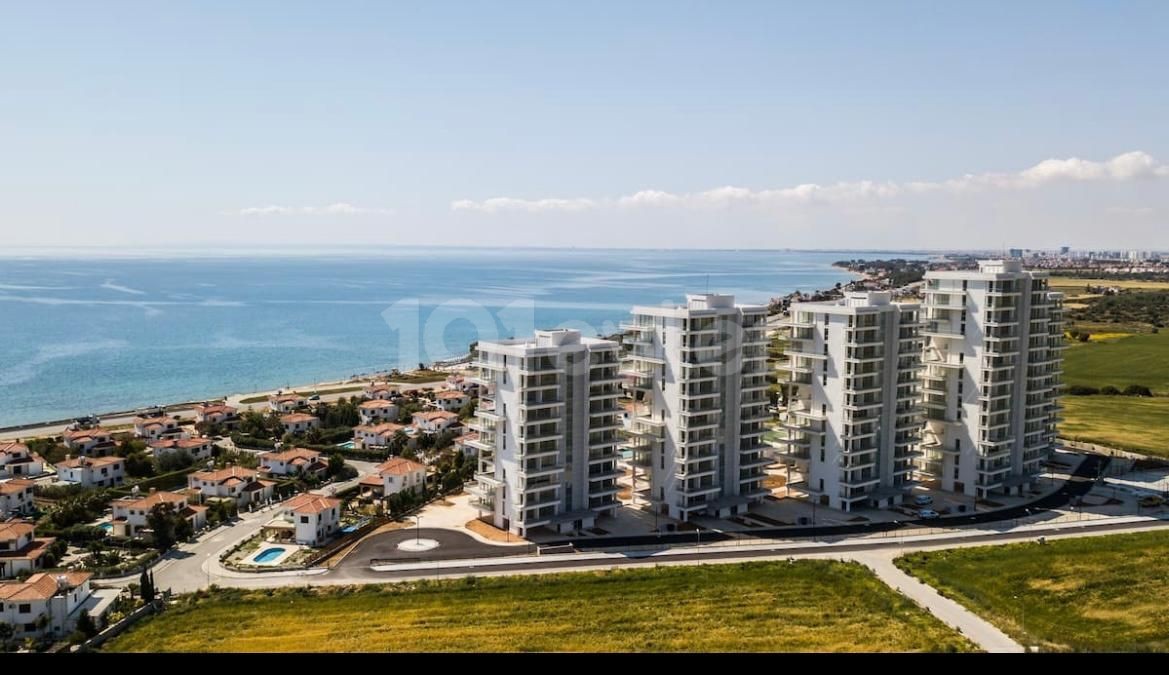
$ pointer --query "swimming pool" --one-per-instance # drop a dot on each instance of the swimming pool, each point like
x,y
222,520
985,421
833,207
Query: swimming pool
x,y
108,527
268,555
347,445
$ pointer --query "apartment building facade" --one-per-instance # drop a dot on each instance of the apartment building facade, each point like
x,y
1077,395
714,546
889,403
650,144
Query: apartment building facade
x,y
853,415
993,364
547,422
697,374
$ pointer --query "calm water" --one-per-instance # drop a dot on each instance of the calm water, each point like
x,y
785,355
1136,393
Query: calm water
x,y
94,335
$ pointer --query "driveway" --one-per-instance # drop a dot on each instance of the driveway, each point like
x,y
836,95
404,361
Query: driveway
x,y
451,545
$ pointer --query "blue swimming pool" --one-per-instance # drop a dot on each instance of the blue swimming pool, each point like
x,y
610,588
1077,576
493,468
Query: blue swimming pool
x,y
108,527
268,555
348,445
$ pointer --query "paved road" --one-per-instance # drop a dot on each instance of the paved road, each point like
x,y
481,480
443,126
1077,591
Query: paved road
x,y
452,545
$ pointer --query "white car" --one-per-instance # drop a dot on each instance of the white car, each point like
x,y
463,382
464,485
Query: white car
x,y
923,500
927,514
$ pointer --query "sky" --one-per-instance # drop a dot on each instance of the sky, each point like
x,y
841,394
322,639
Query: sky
x,y
730,124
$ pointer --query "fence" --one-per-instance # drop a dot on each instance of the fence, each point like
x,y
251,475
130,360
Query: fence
x,y
116,629
1105,450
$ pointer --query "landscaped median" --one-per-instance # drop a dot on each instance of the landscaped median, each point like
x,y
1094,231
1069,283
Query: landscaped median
x,y
766,606
1104,593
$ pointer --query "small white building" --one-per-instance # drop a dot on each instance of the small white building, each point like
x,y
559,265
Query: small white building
x,y
131,513
379,391
285,403
375,435
465,443
199,448
17,461
153,428
244,486
435,421
316,518
15,497
44,603
396,475
292,462
20,549
92,471
95,441
460,383
450,401
377,410
299,423
217,413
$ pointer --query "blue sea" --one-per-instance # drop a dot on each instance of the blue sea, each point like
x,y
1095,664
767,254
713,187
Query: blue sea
x,y
97,334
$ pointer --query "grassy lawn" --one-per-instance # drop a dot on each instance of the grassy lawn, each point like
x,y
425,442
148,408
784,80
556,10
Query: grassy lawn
x,y
1073,286
1120,361
1091,593
1124,422
806,606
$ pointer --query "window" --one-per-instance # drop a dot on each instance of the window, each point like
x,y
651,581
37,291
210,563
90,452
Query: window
x,y
821,454
304,519
24,609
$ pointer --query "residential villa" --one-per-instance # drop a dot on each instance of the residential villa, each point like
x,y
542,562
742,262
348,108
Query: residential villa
x,y
20,549
244,486
15,496
95,441
379,391
292,462
92,471
465,443
298,423
396,475
130,513
199,448
434,421
460,383
377,411
285,403
218,414
16,460
314,518
450,401
154,428
44,603
376,435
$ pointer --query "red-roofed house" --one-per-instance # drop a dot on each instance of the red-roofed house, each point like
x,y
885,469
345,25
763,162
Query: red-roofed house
x,y
460,383
20,549
54,599
130,513
92,471
316,518
15,496
158,427
465,443
298,423
199,448
217,413
377,411
381,391
95,441
434,421
451,401
17,461
398,474
285,403
375,435
292,462
244,486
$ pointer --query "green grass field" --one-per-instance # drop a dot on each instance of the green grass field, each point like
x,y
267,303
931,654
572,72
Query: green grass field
x,y
1091,593
1137,359
1124,422
806,606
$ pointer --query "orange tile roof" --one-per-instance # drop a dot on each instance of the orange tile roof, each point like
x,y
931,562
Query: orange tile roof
x,y
292,418
399,466
225,473
12,447
11,487
78,434
452,394
151,500
215,408
310,503
88,461
291,454
383,428
436,415
41,586
375,405
286,398
15,530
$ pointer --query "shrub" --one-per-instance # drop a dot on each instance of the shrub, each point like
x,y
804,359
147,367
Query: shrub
x,y
1109,390
1084,337
1081,390
1137,390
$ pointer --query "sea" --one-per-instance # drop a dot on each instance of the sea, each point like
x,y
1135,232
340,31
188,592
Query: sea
x,y
93,333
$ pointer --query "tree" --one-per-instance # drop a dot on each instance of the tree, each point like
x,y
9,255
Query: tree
x,y
146,587
174,461
139,465
168,526
336,464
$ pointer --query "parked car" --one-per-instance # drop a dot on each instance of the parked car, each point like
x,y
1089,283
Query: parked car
x,y
927,514
923,500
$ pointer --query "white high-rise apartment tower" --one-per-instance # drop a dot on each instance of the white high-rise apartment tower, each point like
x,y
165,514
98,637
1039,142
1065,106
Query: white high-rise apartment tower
x,y
698,377
994,355
548,420
853,417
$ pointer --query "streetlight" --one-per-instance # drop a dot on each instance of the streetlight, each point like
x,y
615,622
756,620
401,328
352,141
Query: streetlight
x,y
417,528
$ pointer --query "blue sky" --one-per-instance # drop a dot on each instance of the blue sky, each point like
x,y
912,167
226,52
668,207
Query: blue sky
x,y
537,123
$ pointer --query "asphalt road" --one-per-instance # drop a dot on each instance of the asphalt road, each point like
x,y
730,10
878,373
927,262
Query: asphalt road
x,y
452,545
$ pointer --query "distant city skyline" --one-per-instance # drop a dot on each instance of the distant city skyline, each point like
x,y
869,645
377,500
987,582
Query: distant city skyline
x,y
775,125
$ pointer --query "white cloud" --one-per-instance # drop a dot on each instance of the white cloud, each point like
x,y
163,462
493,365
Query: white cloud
x,y
335,209
1129,166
